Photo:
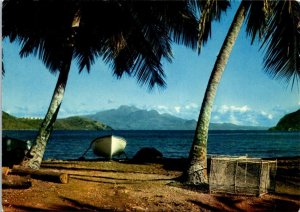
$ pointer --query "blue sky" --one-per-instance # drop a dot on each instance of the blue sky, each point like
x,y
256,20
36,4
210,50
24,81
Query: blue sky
x,y
246,95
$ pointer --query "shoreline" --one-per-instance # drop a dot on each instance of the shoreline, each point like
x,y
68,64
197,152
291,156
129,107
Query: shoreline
x,y
213,130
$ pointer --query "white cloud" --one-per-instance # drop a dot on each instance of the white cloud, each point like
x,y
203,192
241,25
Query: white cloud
x,y
191,106
187,111
236,114
177,109
162,107
268,115
233,119
242,115
215,118
233,108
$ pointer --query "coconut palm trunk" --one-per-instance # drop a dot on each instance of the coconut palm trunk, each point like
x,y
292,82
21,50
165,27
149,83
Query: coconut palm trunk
x,y
34,157
197,167
80,30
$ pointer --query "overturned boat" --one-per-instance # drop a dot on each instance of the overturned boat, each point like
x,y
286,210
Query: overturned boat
x,y
109,146
14,150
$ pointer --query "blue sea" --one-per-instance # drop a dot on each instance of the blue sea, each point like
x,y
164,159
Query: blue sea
x,y
65,145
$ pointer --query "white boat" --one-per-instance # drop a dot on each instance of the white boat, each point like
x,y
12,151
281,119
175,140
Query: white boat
x,y
108,146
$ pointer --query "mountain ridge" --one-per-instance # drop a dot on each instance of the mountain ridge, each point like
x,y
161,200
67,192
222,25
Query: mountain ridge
x,y
123,118
132,118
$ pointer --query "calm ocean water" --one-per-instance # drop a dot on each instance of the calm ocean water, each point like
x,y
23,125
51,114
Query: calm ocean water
x,y
173,144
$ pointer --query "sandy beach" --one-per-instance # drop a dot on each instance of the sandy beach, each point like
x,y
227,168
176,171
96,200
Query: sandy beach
x,y
124,186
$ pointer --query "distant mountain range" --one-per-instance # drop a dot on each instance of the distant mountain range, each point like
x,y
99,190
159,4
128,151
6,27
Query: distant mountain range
x,y
290,122
122,118
10,122
133,118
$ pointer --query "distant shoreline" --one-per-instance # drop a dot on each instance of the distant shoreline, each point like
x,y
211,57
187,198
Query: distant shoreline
x,y
263,130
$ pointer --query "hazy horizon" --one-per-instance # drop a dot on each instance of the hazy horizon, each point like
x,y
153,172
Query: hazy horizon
x,y
132,106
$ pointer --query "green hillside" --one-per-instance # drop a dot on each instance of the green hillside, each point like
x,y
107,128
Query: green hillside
x,y
290,122
13,123
10,122
79,123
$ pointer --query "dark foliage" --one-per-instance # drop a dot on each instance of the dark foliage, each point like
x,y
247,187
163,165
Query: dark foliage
x,y
133,37
290,122
277,24
211,10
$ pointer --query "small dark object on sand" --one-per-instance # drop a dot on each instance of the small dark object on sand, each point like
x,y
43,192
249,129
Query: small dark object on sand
x,y
147,154
81,158
14,150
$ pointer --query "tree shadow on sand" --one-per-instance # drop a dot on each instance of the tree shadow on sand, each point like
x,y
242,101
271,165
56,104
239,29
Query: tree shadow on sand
x,y
205,206
228,205
233,203
276,205
84,206
74,205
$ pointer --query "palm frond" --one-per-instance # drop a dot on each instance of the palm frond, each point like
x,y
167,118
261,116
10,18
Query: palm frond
x,y
37,30
134,44
3,69
258,14
210,10
181,21
282,42
143,47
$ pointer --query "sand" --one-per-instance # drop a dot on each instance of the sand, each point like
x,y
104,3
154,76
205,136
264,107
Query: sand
x,y
123,186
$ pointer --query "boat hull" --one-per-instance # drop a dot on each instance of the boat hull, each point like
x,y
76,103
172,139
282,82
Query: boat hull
x,y
14,150
108,146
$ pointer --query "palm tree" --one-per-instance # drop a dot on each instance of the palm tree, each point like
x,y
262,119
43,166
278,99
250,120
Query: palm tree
x,y
131,36
277,24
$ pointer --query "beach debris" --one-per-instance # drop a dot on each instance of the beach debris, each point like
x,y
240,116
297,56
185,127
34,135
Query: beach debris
x,y
14,150
147,154
5,171
15,182
42,174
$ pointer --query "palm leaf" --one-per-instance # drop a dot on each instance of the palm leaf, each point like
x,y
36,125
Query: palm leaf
x,y
258,13
37,30
134,44
210,10
282,42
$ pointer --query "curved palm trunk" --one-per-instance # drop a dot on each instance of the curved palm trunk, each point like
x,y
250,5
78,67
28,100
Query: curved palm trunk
x,y
34,157
197,167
